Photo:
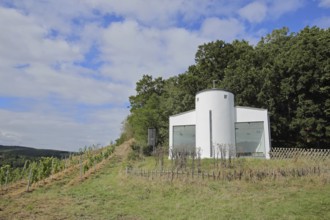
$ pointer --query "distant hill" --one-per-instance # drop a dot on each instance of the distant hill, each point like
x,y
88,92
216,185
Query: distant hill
x,y
17,155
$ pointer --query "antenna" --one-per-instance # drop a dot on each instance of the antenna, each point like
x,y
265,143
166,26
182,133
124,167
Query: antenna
x,y
214,83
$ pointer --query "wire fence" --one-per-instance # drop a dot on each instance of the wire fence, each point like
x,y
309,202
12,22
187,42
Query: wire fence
x,y
299,153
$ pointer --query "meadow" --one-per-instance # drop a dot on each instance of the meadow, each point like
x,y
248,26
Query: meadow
x,y
109,192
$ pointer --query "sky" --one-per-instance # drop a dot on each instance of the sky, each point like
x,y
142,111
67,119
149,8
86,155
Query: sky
x,y
67,68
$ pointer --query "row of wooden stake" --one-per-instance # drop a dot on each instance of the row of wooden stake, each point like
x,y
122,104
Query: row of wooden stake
x,y
230,175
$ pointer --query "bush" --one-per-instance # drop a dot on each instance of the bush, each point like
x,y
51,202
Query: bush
x,y
135,147
147,150
135,153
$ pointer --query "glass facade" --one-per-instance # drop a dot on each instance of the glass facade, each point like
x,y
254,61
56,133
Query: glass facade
x,y
250,139
184,137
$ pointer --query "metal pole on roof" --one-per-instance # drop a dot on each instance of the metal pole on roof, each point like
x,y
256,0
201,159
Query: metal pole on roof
x,y
214,83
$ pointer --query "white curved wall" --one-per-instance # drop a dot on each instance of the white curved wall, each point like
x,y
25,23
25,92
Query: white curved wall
x,y
216,128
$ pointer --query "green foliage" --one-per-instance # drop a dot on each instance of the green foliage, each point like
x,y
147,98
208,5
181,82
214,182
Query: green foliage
x,y
296,88
126,132
43,168
135,154
4,170
286,73
145,107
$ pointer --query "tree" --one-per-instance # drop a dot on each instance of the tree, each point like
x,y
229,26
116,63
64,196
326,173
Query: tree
x,y
295,88
286,73
145,107
242,75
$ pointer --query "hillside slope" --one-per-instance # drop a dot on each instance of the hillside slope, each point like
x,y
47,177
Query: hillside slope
x,y
108,193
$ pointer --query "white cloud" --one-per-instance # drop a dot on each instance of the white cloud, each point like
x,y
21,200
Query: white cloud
x,y
158,12
40,81
254,12
261,10
7,138
23,41
223,29
165,13
53,130
280,7
57,14
132,50
324,3
323,22
129,49
43,42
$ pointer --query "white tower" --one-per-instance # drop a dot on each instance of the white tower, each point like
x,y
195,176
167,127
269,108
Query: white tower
x,y
215,120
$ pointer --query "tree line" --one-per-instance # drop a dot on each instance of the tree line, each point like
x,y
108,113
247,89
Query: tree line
x,y
286,73
16,156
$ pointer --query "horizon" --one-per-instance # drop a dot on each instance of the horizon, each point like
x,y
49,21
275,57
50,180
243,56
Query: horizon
x,y
36,148
68,68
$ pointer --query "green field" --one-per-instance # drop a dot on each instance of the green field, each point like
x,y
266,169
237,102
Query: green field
x,y
110,193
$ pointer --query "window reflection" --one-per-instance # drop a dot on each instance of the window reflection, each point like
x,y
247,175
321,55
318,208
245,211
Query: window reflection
x,y
250,139
184,137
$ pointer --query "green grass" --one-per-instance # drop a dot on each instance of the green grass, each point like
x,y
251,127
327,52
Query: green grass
x,y
110,194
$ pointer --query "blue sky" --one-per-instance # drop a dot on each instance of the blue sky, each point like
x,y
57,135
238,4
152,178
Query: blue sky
x,y
67,68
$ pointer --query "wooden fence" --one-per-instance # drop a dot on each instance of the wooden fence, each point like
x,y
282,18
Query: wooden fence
x,y
232,174
295,153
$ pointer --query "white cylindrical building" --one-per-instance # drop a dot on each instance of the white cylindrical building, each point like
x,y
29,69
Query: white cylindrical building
x,y
215,133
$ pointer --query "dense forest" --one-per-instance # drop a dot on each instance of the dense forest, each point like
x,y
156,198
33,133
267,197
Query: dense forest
x,y
286,73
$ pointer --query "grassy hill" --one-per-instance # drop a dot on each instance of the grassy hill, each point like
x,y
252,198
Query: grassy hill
x,y
107,192
17,155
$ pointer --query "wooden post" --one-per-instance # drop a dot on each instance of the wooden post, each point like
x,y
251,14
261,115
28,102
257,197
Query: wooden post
x,y
52,171
7,173
29,180
24,168
80,161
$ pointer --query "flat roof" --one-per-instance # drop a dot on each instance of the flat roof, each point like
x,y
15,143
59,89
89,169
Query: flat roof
x,y
182,113
254,108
